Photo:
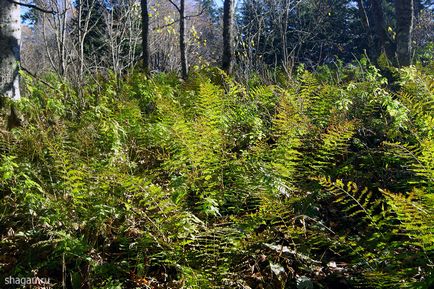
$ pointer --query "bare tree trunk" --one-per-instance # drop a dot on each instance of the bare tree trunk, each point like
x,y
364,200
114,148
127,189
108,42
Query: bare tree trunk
x,y
404,27
228,53
81,38
182,46
145,35
10,38
417,7
62,44
383,43
287,63
366,25
363,15
55,35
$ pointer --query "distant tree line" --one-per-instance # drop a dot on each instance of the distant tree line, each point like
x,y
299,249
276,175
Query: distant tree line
x,y
83,38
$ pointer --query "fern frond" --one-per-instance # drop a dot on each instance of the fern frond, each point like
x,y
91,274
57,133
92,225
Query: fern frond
x,y
420,159
334,145
356,203
317,100
415,211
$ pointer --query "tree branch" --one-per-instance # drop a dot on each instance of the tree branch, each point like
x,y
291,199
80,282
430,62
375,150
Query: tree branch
x,y
32,6
174,4
36,77
176,21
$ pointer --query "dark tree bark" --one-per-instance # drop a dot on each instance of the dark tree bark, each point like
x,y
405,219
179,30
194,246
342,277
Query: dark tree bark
x,y
145,36
404,11
228,47
10,38
418,7
381,40
182,46
380,37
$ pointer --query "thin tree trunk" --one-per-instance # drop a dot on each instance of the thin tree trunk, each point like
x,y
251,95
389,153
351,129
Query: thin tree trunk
x,y
404,28
63,50
287,64
145,35
366,25
228,53
10,38
182,46
83,29
363,15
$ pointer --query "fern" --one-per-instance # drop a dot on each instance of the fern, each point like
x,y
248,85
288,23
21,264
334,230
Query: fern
x,y
356,204
391,216
316,99
332,150
418,159
415,211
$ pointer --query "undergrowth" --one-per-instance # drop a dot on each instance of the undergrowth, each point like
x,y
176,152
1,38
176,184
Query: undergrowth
x,y
325,180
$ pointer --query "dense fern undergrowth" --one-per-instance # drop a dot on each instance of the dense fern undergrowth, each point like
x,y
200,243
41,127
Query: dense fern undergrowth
x,y
322,180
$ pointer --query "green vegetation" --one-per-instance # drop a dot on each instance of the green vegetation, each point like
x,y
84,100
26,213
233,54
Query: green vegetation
x,y
324,180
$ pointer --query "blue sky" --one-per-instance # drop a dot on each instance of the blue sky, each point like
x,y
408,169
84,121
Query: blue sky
x,y
23,11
